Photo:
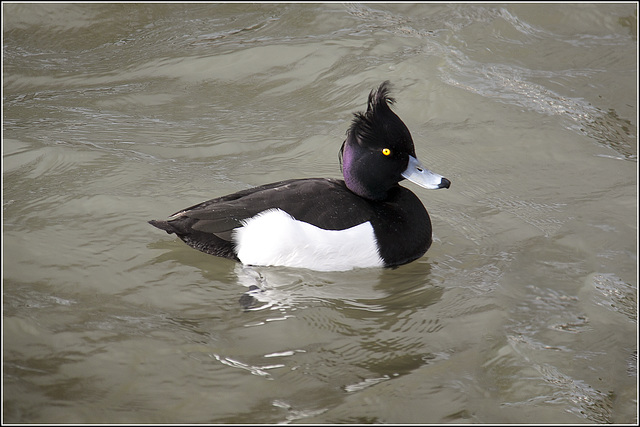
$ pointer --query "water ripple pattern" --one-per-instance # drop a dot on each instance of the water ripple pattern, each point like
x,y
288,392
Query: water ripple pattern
x,y
523,310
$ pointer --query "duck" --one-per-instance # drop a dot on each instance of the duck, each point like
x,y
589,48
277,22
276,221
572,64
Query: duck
x,y
366,220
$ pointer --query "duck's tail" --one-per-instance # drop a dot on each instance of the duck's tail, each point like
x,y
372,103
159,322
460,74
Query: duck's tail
x,y
163,225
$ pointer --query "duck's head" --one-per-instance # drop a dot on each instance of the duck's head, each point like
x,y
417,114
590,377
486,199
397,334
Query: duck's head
x,y
379,152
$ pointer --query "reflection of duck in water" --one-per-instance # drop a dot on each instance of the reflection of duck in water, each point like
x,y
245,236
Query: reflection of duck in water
x,y
367,220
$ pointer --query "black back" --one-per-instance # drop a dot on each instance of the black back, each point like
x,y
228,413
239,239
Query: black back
x,y
401,223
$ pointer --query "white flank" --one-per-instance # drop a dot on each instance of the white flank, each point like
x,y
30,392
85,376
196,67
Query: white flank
x,y
274,237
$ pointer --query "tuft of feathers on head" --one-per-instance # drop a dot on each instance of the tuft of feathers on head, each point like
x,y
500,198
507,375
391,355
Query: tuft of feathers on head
x,y
365,126
379,98
363,123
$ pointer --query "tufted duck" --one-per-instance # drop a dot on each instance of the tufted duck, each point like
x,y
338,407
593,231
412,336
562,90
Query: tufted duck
x,y
365,220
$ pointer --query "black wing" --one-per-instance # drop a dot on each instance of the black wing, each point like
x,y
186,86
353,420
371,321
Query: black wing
x,y
325,203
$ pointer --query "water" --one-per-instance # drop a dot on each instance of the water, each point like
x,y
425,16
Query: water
x,y
524,309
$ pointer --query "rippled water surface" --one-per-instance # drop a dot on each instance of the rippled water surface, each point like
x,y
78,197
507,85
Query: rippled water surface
x,y
524,310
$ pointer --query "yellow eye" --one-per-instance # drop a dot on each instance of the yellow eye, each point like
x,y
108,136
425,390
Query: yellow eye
x,y
386,151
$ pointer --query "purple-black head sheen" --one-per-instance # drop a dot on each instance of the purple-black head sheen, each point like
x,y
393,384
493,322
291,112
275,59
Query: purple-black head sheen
x,y
377,148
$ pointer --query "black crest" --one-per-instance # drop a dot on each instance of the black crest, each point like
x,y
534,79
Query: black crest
x,y
379,98
365,125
